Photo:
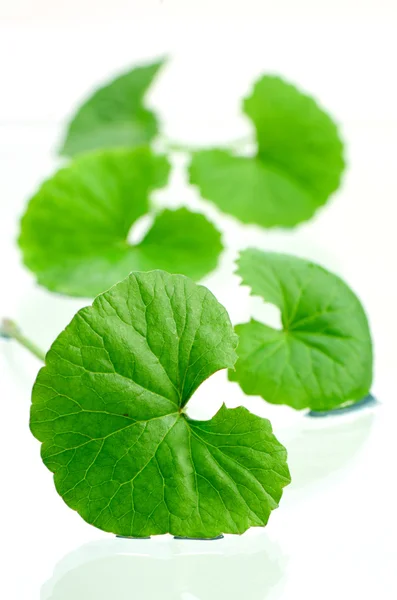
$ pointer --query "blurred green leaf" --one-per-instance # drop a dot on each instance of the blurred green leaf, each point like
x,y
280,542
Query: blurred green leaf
x,y
115,115
74,234
298,164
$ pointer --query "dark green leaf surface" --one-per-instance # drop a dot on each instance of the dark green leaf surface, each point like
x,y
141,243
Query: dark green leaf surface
x,y
115,115
74,233
108,409
322,356
298,164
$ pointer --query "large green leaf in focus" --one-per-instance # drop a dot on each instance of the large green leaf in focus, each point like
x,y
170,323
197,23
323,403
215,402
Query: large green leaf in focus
x,y
74,233
109,409
321,358
297,166
115,115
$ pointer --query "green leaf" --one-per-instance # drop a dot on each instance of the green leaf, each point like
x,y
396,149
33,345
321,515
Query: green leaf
x,y
322,356
108,408
298,164
115,116
74,233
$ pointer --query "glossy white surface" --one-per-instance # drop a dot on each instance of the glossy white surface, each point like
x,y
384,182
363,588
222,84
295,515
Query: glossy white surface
x,y
334,533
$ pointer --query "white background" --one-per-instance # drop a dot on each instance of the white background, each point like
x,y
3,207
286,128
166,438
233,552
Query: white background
x,y
334,533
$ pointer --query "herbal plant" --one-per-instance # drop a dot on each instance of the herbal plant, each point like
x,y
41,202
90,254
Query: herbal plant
x,y
109,406
110,410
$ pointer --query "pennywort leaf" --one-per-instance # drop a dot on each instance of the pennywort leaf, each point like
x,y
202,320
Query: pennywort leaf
x,y
297,165
74,234
115,115
109,409
322,356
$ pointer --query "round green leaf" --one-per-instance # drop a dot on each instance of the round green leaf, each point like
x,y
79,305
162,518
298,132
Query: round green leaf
x,y
298,164
108,408
74,233
322,356
115,116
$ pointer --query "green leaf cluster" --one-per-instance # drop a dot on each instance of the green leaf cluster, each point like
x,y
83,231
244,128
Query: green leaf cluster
x,y
92,203
74,234
110,405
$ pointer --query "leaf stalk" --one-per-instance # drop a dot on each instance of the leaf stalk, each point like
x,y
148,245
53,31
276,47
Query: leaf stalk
x,y
174,146
10,330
